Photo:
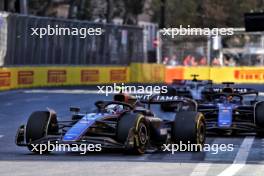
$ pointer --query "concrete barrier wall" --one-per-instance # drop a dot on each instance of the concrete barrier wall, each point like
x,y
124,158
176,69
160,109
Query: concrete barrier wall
x,y
218,74
26,77
147,73
23,77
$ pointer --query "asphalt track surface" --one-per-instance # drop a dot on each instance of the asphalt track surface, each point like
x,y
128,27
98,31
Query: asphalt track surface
x,y
247,158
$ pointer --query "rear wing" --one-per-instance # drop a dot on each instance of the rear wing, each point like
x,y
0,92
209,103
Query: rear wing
x,y
227,84
194,79
160,99
240,91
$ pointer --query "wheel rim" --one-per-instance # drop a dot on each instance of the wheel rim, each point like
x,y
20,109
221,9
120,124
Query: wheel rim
x,y
201,133
143,133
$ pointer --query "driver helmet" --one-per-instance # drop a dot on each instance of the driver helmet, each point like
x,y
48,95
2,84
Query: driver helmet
x,y
114,108
229,98
228,90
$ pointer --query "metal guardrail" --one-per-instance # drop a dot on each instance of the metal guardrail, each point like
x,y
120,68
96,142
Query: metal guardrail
x,y
118,45
239,49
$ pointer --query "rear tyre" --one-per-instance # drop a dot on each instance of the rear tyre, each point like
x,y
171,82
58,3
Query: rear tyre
x,y
133,131
259,114
260,134
189,128
36,128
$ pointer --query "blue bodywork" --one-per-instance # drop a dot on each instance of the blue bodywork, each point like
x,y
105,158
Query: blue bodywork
x,y
225,114
81,127
228,112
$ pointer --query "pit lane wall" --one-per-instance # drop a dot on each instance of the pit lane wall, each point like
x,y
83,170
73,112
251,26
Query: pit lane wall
x,y
26,77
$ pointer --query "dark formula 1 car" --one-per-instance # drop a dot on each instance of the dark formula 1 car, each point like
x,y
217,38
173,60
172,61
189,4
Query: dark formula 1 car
x,y
196,89
229,112
121,124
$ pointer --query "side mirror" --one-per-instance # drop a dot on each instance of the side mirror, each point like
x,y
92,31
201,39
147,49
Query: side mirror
x,y
74,109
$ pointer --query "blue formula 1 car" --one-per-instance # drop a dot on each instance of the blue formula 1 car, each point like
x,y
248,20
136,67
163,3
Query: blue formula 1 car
x,y
123,123
199,90
229,112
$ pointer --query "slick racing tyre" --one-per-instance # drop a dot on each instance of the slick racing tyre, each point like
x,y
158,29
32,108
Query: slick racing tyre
x,y
36,128
259,114
189,127
133,131
260,134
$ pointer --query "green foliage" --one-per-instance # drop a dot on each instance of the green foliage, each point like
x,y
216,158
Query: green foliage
x,y
131,10
85,11
205,13
196,13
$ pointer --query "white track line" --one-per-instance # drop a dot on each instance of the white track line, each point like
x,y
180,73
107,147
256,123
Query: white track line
x,y
1,136
201,169
143,157
241,157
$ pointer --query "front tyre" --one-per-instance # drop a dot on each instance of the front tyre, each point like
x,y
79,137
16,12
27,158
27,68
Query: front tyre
x,y
133,131
36,128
